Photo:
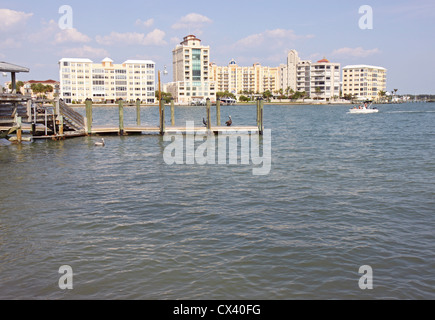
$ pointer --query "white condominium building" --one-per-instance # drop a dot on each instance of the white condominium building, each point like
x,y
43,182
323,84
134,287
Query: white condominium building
x,y
364,82
107,82
242,80
320,80
191,71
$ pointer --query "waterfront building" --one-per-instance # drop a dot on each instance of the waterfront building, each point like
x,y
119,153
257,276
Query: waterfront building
x,y
320,80
287,72
27,90
364,82
191,72
107,82
238,80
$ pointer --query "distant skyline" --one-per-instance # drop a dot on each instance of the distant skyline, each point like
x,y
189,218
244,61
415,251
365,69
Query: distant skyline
x,y
247,31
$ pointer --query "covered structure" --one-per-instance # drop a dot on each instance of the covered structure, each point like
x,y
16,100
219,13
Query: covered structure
x,y
13,69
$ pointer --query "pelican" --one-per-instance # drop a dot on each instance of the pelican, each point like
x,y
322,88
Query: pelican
x,y
229,122
204,122
100,144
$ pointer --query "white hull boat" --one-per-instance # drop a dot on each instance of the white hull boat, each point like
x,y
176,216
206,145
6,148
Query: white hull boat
x,y
363,111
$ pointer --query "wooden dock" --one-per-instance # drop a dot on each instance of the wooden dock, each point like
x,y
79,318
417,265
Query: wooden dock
x,y
60,121
107,130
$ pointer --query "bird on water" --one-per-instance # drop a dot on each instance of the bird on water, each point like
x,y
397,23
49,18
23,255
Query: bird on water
x,y
204,122
229,122
100,144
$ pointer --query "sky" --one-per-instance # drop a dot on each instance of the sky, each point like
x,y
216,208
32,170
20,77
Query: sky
x,y
33,34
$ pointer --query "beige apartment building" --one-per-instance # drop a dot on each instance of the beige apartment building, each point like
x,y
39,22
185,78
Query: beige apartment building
x,y
191,72
364,82
241,80
107,82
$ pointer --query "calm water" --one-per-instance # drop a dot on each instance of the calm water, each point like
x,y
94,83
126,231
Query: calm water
x,y
344,191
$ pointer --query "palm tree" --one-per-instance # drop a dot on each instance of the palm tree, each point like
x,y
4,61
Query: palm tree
x,y
381,95
318,92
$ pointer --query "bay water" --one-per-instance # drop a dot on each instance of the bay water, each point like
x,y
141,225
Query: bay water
x,y
344,191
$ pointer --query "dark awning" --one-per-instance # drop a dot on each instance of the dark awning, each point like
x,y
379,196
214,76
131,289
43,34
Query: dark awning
x,y
8,67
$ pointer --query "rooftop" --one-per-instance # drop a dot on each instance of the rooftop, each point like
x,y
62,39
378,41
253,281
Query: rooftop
x,y
9,67
363,66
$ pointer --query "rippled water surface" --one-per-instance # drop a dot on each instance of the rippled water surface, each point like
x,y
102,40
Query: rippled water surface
x,y
344,191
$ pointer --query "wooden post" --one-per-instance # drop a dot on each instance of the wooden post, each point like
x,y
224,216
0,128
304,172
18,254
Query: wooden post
x,y
208,114
162,117
121,117
172,112
261,128
14,83
218,112
258,112
138,111
29,110
19,132
60,119
45,122
89,116
57,107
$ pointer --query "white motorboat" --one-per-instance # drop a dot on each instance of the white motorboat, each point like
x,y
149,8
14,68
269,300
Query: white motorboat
x,y
364,109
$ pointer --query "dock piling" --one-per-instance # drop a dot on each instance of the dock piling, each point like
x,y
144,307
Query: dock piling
x,y
261,113
208,114
121,117
218,112
162,117
172,112
138,111
88,103
19,130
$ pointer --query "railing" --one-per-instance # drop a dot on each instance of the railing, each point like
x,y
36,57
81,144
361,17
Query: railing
x,y
72,115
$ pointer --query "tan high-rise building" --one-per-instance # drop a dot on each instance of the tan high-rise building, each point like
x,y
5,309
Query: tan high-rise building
x,y
288,79
364,82
243,80
107,82
191,72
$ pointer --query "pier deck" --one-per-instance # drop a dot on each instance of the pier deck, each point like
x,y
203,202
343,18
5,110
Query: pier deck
x,y
102,130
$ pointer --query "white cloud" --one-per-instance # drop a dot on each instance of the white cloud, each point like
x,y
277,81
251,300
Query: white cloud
x,y
10,20
85,52
355,52
155,37
175,40
194,22
148,23
276,38
69,36
51,33
10,43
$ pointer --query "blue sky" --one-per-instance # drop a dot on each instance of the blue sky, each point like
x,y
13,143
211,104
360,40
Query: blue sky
x,y
248,31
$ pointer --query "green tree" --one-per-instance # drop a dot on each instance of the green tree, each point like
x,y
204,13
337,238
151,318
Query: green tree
x,y
19,85
225,94
166,96
267,95
318,92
